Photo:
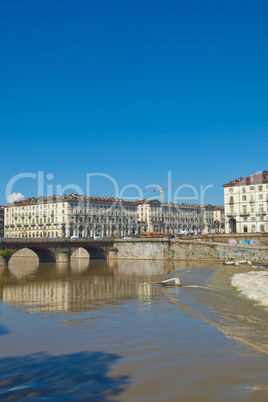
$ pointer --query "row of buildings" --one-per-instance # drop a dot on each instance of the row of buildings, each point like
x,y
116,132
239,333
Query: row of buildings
x,y
82,216
245,210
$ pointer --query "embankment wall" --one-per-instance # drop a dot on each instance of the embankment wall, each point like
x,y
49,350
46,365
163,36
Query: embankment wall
x,y
187,250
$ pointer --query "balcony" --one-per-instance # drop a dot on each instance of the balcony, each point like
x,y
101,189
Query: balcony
x,y
244,213
231,214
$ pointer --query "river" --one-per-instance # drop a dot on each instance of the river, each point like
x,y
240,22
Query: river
x,y
107,331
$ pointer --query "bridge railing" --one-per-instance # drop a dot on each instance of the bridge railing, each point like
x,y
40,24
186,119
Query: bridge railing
x,y
50,239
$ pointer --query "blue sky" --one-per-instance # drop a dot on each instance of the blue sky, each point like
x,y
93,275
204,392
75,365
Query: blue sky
x,y
133,89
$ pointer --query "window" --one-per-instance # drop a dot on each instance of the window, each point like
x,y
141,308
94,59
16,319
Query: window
x,y
260,196
243,189
251,188
259,188
244,198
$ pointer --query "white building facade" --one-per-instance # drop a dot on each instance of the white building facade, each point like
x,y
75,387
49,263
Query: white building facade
x,y
1,221
246,204
86,217
169,217
218,217
68,215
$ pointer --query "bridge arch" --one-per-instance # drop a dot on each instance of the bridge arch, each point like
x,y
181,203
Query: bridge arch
x,y
94,252
80,252
43,254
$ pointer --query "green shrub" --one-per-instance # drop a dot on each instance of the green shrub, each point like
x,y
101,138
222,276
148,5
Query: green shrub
x,y
6,253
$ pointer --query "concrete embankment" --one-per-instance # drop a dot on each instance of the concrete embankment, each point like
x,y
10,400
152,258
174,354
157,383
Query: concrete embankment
x,y
192,250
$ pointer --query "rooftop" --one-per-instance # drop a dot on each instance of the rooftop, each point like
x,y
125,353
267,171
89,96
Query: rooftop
x,y
71,197
254,178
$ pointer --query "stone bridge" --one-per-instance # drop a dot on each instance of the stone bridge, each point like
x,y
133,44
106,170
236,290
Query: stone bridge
x,y
59,250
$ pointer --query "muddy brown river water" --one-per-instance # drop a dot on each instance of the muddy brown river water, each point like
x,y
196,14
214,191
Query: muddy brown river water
x,y
107,331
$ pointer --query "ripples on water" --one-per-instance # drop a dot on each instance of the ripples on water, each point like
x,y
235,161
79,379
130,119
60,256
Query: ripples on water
x,y
230,298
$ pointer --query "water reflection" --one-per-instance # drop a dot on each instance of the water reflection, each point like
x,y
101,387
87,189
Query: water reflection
x,y
79,265
140,269
80,285
23,267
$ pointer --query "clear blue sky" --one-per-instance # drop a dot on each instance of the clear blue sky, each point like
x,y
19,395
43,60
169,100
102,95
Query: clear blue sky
x,y
133,89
